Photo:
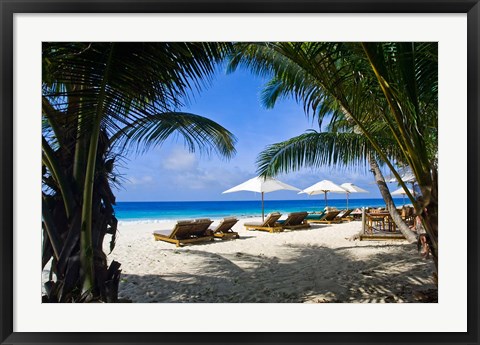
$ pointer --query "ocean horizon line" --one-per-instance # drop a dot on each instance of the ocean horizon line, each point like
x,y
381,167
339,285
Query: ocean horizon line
x,y
313,198
151,211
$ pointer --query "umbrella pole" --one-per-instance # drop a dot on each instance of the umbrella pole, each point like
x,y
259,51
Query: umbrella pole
x,y
325,199
347,200
263,212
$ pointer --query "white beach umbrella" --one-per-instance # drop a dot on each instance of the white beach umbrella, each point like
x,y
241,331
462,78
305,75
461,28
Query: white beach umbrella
x,y
261,185
401,191
324,186
351,188
407,177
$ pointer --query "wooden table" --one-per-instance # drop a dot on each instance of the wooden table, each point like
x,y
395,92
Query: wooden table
x,y
381,221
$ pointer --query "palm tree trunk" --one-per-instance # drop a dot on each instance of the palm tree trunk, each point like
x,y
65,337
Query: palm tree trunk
x,y
50,229
86,251
382,186
430,216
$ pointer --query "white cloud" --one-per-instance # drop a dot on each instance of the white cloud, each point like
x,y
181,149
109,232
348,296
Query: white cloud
x,y
180,160
212,178
182,169
140,180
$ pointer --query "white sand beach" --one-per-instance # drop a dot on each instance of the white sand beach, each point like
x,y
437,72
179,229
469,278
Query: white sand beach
x,y
318,265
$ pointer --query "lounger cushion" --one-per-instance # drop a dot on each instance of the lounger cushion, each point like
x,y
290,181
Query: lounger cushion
x,y
315,216
253,224
203,220
269,221
165,233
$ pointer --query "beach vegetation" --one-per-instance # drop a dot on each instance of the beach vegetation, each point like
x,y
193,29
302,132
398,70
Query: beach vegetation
x,y
100,100
340,149
378,90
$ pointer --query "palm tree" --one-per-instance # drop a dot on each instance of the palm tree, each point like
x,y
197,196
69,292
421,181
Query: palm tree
x,y
100,100
313,149
387,85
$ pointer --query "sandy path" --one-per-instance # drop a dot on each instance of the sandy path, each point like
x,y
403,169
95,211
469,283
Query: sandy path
x,y
315,265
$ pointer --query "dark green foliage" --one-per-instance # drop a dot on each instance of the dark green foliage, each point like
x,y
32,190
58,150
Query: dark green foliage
x,y
385,90
98,100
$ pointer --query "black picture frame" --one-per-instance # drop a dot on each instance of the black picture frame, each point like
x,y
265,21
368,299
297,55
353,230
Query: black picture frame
x,y
10,7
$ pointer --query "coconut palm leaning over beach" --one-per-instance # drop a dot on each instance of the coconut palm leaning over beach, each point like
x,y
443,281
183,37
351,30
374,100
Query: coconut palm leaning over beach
x,y
393,86
99,100
314,149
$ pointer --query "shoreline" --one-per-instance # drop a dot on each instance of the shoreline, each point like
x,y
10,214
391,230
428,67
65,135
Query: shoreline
x,y
161,211
317,265
167,221
126,214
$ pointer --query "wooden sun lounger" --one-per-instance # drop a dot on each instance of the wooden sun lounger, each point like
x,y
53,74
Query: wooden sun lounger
x,y
295,221
270,224
345,217
186,231
224,229
327,218
315,216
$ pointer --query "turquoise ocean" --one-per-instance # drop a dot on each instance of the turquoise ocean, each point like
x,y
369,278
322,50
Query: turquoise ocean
x,y
176,210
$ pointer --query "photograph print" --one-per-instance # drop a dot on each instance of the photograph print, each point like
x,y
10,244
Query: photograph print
x,y
239,172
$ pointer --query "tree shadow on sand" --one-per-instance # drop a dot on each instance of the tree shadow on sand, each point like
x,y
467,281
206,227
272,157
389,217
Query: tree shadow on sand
x,y
311,274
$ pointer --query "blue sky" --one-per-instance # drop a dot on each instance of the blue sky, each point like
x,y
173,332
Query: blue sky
x,y
171,173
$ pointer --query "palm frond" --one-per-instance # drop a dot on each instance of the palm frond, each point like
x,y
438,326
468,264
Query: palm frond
x,y
146,78
198,133
314,149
